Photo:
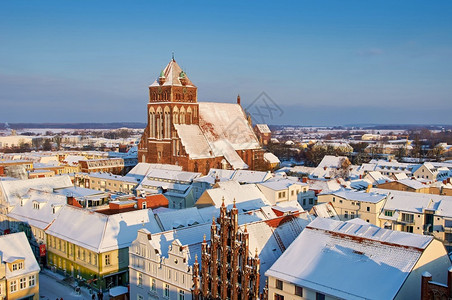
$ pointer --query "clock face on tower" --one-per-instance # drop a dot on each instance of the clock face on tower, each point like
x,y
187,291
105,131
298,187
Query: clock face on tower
x,y
185,90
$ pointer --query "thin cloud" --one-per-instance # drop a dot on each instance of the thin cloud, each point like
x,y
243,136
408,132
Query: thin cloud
x,y
371,52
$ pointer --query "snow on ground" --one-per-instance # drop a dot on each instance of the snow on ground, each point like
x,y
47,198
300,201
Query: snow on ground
x,y
51,287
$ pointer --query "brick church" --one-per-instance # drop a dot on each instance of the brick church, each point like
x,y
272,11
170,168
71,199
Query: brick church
x,y
196,135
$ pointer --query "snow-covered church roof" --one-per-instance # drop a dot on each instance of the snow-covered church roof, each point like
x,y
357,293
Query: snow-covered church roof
x,y
223,129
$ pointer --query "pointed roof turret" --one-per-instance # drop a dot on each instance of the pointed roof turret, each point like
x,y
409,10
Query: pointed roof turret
x,y
173,75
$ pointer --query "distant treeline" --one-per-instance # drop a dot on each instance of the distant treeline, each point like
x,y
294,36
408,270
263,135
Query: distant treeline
x,y
372,127
116,125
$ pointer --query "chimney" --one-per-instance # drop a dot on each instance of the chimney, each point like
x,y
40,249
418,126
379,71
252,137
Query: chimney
x,y
238,99
369,187
426,277
360,176
304,179
217,179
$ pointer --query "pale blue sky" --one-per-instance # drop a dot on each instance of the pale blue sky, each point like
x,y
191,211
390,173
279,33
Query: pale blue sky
x,y
322,62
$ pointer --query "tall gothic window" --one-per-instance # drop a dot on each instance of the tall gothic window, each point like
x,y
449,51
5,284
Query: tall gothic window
x,y
152,122
182,115
189,116
159,125
175,115
167,123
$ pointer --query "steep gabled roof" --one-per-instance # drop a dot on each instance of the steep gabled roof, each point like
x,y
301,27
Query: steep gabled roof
x,y
13,247
172,74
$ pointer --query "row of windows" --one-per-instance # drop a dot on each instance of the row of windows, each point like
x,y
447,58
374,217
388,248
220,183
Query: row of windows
x,y
166,96
169,274
30,280
298,292
166,289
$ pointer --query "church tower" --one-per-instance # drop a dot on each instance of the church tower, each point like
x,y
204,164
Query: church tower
x,y
227,270
172,100
196,136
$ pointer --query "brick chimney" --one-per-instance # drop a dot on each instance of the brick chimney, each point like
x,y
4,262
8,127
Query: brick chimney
x,y
238,99
70,200
426,277
304,179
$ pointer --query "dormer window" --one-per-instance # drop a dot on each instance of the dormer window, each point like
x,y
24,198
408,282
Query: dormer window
x,y
36,205
17,266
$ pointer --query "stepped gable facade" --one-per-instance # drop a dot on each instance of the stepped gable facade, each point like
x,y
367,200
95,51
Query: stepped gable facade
x,y
196,136
227,271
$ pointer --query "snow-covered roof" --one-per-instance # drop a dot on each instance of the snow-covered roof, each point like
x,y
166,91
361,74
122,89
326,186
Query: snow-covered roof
x,y
223,129
227,121
13,190
242,176
280,184
16,246
271,241
232,190
271,158
250,176
359,195
328,166
179,218
377,178
263,128
324,186
72,160
194,141
400,176
346,260
109,176
325,210
359,184
41,215
412,183
416,202
171,175
98,232
80,192
141,169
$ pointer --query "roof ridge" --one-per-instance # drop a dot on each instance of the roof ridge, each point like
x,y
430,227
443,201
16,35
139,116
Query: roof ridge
x,y
360,238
